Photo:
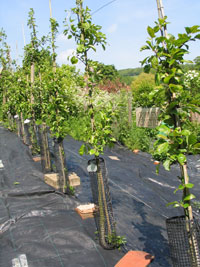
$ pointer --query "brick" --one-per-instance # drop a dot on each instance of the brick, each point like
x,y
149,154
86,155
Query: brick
x,y
36,159
52,180
74,179
135,259
86,211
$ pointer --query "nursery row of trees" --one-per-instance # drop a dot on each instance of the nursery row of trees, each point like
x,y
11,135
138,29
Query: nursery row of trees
x,y
90,108
54,99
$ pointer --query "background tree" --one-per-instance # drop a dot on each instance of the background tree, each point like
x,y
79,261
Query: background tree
x,y
144,91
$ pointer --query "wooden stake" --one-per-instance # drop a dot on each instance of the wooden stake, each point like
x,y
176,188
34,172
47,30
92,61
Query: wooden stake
x,y
23,34
161,15
129,109
32,81
50,8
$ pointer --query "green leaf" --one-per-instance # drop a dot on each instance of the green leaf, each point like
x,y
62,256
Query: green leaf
x,y
181,159
186,205
197,146
188,30
162,148
185,132
82,150
197,36
93,47
192,139
157,78
189,185
92,152
175,88
162,136
187,61
167,79
145,47
180,141
193,29
157,168
189,197
150,32
166,164
147,68
172,203
80,48
164,129
16,183
177,205
154,62
181,187
74,60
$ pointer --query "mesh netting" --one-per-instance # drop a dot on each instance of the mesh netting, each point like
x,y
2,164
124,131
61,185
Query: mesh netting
x,y
18,123
184,241
101,196
42,137
60,165
27,135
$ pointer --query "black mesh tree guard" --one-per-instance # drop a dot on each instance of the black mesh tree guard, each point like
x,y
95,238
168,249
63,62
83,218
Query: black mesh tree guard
x,y
19,126
60,165
11,122
101,196
42,136
184,241
27,134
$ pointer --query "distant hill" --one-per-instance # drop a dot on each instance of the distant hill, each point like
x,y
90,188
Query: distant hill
x,y
130,72
128,75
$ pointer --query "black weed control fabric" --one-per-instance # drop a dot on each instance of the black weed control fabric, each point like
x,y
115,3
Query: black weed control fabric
x,y
40,224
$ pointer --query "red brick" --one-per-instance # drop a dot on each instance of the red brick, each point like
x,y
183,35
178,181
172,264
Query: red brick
x,y
135,259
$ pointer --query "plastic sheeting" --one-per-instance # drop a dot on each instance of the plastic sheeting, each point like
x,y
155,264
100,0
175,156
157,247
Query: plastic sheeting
x,y
40,223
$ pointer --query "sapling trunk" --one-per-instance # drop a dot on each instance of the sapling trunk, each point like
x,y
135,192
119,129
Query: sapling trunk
x,y
4,97
47,157
22,125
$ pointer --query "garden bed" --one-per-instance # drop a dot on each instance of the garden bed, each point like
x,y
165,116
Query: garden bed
x,y
42,224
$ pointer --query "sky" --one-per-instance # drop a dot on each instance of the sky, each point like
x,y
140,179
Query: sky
x,y
123,21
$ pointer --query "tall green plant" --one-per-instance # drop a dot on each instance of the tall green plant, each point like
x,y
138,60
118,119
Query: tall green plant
x,y
87,36
173,142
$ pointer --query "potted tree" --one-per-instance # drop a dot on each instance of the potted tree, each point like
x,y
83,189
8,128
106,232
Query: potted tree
x,y
174,140
87,36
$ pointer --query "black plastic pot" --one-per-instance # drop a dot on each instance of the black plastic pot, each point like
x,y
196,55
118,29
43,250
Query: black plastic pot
x,y
184,241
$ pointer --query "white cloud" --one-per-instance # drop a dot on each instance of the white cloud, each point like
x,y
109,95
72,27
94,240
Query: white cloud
x,y
62,38
64,55
112,28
